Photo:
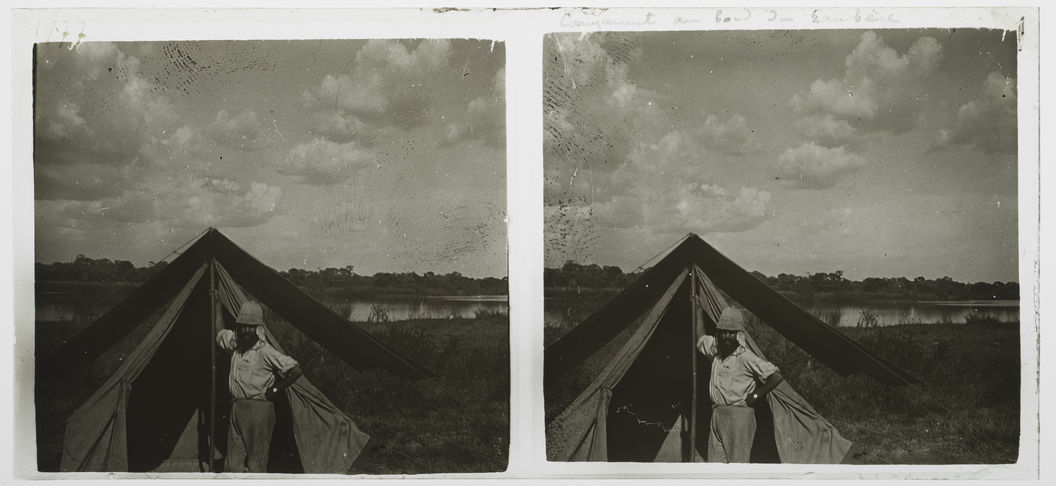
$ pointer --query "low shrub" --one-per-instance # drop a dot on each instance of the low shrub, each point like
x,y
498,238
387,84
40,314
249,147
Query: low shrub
x,y
868,318
490,314
977,317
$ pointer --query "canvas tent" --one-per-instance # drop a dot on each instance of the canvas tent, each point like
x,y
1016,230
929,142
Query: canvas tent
x,y
166,406
627,384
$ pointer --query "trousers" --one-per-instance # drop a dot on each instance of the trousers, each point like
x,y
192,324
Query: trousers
x,y
249,437
731,434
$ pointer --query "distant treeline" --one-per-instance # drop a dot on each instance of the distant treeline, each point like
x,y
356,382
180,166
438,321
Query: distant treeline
x,y
344,283
327,282
591,278
103,270
575,277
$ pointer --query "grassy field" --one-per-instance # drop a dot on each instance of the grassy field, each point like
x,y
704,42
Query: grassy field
x,y
456,422
966,412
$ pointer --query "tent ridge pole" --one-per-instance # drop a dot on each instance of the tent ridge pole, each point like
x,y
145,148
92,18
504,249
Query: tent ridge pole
x,y
693,366
212,364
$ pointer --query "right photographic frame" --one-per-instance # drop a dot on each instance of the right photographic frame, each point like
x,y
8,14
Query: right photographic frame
x,y
785,246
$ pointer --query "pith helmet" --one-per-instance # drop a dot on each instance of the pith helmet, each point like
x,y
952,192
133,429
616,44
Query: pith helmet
x,y
250,314
731,319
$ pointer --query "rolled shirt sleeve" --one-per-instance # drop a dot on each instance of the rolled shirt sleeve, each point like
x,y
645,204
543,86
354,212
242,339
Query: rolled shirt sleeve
x,y
276,361
226,339
760,368
734,378
707,345
253,370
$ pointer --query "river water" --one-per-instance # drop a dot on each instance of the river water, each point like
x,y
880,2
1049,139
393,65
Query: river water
x,y
440,307
561,312
60,308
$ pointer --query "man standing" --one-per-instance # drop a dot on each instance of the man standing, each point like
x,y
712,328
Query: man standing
x,y
252,382
734,387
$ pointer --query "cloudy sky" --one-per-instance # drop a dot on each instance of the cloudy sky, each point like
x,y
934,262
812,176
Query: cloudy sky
x,y
385,155
879,153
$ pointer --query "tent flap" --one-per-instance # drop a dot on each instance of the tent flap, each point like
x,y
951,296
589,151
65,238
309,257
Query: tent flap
x,y
117,322
327,440
802,435
583,423
600,327
96,437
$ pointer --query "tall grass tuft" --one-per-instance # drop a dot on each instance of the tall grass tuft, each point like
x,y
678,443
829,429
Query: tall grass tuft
x,y
907,319
343,309
832,316
378,313
868,318
977,317
490,314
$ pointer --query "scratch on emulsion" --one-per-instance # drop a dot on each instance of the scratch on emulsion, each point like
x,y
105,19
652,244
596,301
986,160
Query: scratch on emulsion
x,y
277,131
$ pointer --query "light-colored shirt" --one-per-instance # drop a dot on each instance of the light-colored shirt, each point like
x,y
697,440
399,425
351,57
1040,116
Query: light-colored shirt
x,y
252,371
734,377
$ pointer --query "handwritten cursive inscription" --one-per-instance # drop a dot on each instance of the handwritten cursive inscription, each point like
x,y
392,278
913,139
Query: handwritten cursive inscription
x,y
872,15
597,18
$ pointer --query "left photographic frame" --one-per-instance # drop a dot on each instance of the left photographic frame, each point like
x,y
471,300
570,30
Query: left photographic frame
x,y
355,190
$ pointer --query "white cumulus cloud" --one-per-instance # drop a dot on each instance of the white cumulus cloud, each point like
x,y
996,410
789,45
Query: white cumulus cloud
x,y
880,89
712,209
389,81
322,161
486,115
989,122
731,136
240,130
812,166
828,130
337,126
192,203
95,108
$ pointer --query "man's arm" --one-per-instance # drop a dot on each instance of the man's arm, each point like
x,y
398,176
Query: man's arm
x,y
706,345
226,339
284,382
771,382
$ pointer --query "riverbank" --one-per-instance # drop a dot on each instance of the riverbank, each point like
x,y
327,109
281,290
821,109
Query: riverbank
x,y
843,297
561,314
